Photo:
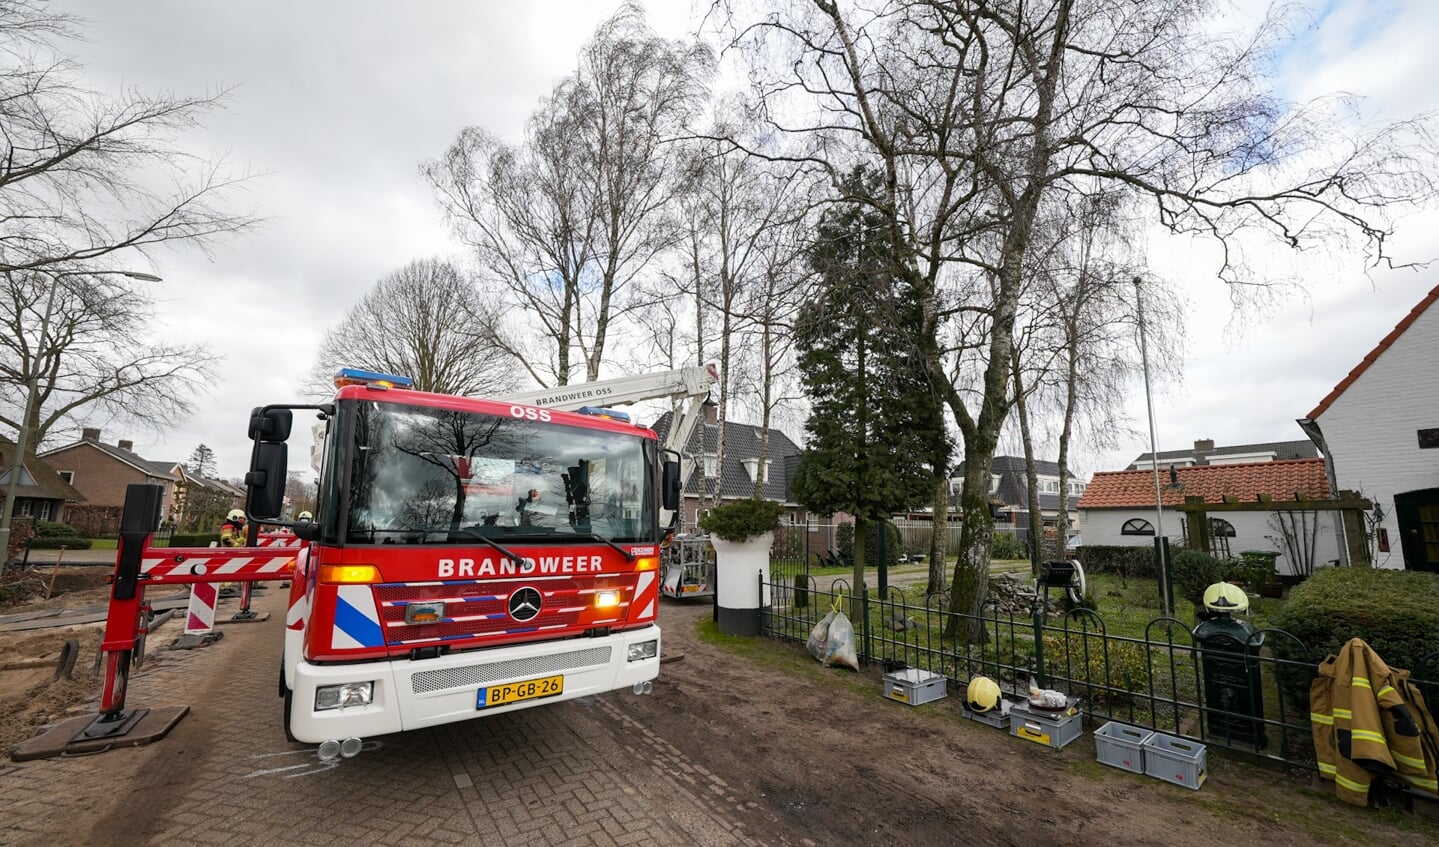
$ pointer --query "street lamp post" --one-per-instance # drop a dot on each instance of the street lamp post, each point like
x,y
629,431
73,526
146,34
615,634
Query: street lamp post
x,y
22,436
1161,547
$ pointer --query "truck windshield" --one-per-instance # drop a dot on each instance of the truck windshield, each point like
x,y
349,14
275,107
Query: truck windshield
x,y
419,475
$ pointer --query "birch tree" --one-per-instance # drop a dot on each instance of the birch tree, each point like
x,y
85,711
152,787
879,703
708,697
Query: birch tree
x,y
982,114
566,221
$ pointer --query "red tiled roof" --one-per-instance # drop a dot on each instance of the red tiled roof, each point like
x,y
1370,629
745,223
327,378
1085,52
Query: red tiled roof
x,y
1281,480
1375,353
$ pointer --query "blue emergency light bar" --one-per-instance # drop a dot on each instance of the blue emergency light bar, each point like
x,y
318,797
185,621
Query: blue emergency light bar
x,y
611,414
384,382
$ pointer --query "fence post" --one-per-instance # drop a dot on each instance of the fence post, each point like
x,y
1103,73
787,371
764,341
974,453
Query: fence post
x,y
864,621
1041,609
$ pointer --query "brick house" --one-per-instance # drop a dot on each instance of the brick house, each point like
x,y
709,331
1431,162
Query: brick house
x,y
742,465
101,471
1009,494
43,494
1379,432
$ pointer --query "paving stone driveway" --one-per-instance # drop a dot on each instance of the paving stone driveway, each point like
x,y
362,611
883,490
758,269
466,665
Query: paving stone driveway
x,y
578,773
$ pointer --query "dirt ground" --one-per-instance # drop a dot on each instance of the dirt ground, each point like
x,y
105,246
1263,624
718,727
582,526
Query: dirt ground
x,y
30,694
825,758
819,756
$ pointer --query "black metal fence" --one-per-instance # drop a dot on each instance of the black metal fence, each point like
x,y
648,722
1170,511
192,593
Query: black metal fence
x,y
1243,698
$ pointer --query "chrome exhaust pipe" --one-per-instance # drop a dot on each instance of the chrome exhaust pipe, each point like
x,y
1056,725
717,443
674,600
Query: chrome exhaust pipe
x,y
644,687
329,750
334,749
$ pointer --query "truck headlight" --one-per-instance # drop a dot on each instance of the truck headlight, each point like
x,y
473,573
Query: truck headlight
x,y
644,650
343,695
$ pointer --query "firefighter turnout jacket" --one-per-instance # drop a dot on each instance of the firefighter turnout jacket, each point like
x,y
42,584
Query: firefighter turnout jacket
x,y
1370,721
232,534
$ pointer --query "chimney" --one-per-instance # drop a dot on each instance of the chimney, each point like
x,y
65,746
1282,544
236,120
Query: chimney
x,y
1173,477
89,434
1203,444
711,412
125,445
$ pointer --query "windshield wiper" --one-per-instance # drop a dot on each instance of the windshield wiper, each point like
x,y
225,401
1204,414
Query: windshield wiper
x,y
576,536
470,533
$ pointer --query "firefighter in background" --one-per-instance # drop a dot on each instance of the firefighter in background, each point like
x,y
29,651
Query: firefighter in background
x,y
232,531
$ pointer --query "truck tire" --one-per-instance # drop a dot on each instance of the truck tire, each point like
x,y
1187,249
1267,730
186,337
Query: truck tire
x,y
289,698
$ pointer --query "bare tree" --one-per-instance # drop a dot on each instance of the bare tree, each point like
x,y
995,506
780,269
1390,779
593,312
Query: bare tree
x,y
981,115
427,321
79,171
567,221
97,361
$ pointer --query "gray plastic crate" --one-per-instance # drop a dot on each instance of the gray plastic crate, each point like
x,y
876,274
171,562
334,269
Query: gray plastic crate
x,y
914,686
997,718
1175,760
1121,746
1044,727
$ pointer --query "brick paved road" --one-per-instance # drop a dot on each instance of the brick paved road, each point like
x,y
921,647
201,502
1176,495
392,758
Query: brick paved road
x,y
581,773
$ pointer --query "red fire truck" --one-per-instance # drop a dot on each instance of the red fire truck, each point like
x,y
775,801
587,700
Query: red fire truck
x,y
468,557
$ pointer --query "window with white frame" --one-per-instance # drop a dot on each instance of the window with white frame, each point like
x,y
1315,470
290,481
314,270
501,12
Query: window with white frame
x,y
1137,526
711,466
68,476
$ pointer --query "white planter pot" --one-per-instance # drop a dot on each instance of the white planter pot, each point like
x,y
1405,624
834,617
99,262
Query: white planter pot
x,y
740,566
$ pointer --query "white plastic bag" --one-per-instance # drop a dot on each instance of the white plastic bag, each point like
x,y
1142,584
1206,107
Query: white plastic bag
x,y
819,636
840,651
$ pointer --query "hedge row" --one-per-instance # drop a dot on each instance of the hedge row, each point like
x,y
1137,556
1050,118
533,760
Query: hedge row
x,y
1396,612
1124,561
55,542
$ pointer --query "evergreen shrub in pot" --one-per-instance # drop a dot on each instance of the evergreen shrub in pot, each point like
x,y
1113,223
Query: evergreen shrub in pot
x,y
741,520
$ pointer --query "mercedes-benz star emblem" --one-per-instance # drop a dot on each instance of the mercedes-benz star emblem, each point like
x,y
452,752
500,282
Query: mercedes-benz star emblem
x,y
525,604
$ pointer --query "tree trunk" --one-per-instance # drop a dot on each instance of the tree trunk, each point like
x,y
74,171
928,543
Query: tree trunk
x,y
939,537
856,603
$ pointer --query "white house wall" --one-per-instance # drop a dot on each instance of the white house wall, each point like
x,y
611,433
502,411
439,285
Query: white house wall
x,y
1371,428
1252,531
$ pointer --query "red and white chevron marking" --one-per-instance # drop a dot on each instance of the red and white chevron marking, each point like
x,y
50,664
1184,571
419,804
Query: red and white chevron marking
x,y
278,539
200,616
208,564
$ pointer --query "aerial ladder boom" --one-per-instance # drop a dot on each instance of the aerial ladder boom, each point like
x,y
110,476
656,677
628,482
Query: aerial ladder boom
x,y
691,382
687,386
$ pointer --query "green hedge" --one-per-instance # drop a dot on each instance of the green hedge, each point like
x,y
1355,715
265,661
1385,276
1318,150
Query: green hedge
x,y
1122,560
55,542
1396,612
201,539
52,529
1007,545
1190,572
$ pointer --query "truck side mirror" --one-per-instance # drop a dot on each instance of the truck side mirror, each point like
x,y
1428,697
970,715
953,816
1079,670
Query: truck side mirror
x,y
266,481
269,424
670,484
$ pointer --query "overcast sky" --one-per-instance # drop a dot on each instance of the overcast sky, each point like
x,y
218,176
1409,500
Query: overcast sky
x,y
338,103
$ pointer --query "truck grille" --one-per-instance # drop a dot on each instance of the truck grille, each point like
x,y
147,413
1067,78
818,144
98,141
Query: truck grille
x,y
476,611
469,676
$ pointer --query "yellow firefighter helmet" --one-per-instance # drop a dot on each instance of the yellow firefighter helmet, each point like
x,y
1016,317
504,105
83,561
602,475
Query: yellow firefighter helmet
x,y
1227,598
235,515
982,694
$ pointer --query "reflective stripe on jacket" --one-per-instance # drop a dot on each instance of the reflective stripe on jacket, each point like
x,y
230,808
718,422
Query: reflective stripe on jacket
x,y
1369,721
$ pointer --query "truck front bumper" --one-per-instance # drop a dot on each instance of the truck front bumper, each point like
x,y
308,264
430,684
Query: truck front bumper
x,y
411,694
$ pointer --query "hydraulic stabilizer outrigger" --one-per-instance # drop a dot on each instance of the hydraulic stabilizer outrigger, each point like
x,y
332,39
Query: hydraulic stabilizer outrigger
x,y
138,566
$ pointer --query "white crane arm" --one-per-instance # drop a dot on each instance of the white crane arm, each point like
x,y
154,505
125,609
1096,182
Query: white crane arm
x,y
694,381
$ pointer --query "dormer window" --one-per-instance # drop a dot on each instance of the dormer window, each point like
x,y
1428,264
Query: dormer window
x,y
752,468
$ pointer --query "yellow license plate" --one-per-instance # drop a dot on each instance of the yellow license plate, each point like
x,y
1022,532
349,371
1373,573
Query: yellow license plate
x,y
514,692
690,588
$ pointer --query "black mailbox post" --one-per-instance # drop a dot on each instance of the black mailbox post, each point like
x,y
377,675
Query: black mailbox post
x,y
1233,695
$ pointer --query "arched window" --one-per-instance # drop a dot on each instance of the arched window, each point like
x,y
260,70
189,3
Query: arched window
x,y
1220,528
1137,526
